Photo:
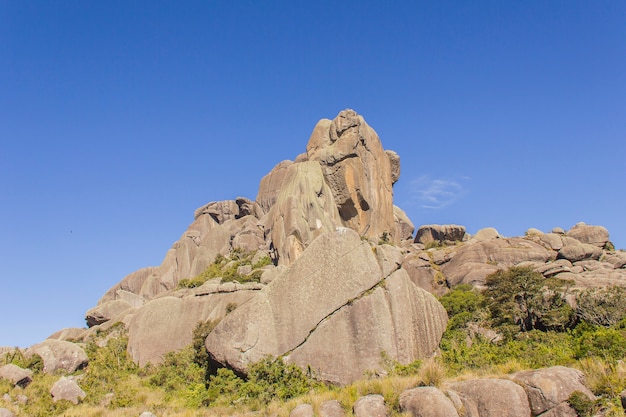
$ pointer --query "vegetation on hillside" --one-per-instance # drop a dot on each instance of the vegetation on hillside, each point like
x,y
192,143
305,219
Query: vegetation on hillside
x,y
520,321
227,269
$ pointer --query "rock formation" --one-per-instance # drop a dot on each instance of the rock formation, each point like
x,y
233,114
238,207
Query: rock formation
x,y
347,277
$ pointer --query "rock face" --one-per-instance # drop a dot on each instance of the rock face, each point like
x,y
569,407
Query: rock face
x,y
493,398
549,388
427,402
358,172
445,234
332,310
347,280
59,355
16,375
67,389
166,324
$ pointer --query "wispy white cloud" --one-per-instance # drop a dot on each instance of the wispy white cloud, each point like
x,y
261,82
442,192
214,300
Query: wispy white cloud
x,y
436,193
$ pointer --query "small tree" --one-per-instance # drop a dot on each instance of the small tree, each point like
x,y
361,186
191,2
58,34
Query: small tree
x,y
523,297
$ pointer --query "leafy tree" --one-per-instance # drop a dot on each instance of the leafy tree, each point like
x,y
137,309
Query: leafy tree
x,y
523,297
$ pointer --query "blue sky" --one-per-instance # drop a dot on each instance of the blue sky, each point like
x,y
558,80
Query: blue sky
x,y
118,119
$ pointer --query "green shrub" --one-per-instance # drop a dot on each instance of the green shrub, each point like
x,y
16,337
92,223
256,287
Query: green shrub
x,y
462,304
601,306
177,371
606,343
273,379
583,406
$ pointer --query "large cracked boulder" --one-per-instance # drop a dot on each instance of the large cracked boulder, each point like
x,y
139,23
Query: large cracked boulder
x,y
335,311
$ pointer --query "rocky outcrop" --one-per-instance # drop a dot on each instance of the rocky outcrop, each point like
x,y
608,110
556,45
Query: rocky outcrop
x,y
474,260
17,376
166,324
549,388
68,334
540,392
358,171
348,279
491,397
444,234
427,402
67,389
333,311
372,405
59,355
593,235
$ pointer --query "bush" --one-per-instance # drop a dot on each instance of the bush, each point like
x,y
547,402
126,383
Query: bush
x,y
463,304
273,379
601,306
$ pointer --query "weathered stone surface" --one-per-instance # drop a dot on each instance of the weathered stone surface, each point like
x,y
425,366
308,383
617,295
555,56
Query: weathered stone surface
x,y
403,226
389,258
302,410
271,184
16,375
357,170
427,402
594,235
147,414
331,408
552,241
579,252
338,267
166,324
67,389
447,233
5,412
548,387
333,320
475,260
486,234
533,232
561,410
372,405
304,209
394,163
106,311
595,279
423,274
398,318
617,259
494,397
59,354
71,333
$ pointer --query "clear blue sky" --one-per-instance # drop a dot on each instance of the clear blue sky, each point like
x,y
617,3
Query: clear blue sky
x,y
118,119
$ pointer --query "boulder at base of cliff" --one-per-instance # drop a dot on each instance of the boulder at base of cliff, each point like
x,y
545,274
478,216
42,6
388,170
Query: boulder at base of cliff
x,y
332,310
